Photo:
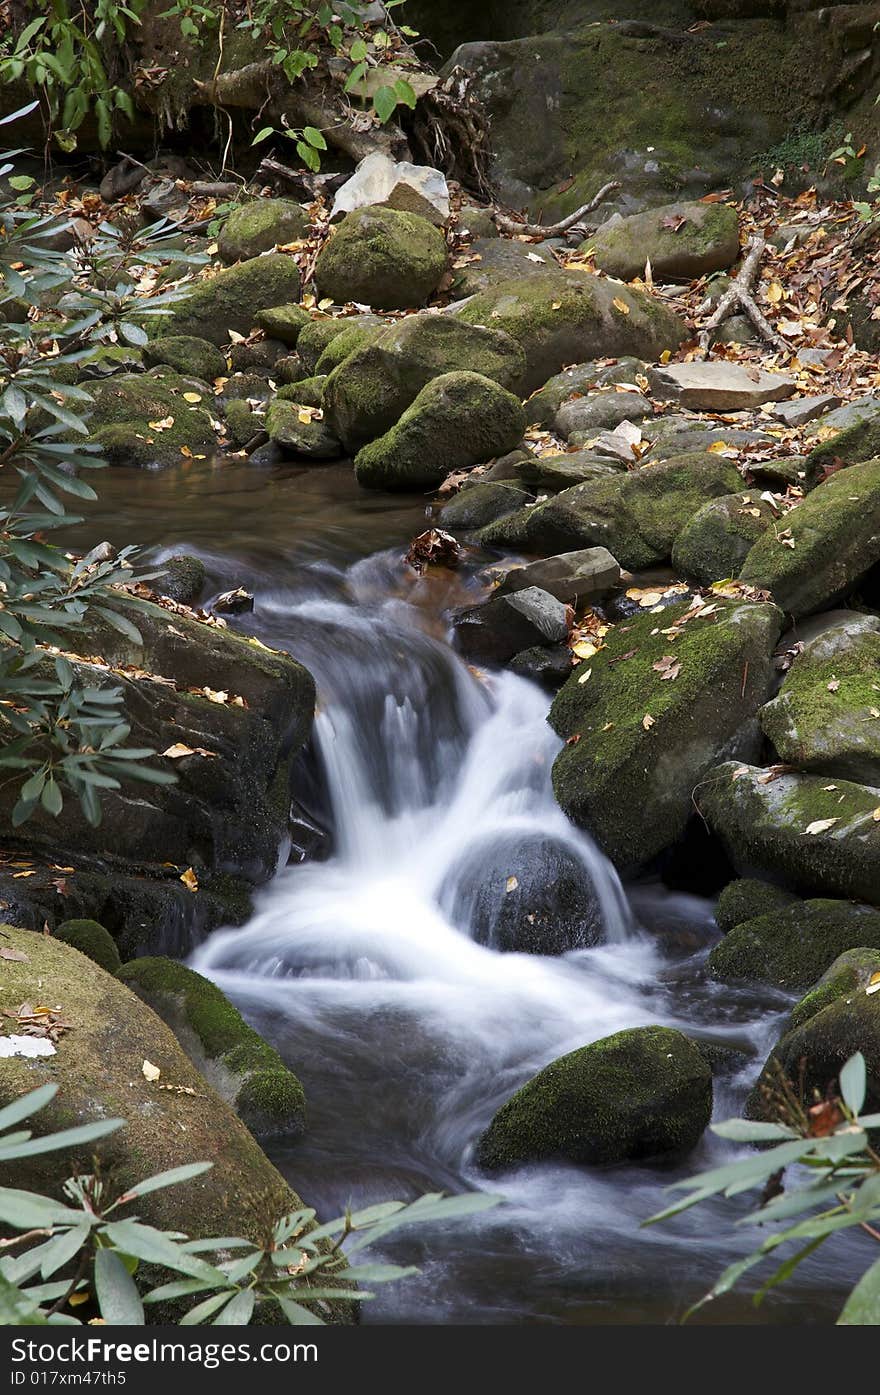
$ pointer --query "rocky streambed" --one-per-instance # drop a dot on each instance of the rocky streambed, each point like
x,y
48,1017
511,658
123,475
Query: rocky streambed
x,y
589,798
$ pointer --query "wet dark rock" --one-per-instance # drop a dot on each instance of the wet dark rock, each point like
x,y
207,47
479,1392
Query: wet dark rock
x,y
495,631
573,577
182,578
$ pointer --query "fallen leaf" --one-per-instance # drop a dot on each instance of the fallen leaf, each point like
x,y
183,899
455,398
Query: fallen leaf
x,y
150,1072
821,825
192,397
178,751
647,721
582,678
620,305
511,884
162,425
190,879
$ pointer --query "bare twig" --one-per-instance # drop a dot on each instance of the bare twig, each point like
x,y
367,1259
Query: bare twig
x,y
740,294
511,225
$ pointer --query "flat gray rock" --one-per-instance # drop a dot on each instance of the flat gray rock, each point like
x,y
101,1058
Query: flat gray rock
x,y
800,410
569,576
719,386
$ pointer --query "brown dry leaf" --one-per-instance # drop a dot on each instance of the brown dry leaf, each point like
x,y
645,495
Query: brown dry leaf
x,y
190,879
820,825
150,1072
178,751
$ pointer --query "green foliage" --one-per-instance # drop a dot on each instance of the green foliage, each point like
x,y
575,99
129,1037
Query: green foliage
x,y
61,728
300,1269
68,52
838,1189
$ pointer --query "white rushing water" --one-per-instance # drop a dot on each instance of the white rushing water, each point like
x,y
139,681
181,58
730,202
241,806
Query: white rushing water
x,y
367,972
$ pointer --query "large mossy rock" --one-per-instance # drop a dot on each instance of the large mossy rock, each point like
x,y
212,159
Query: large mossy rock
x,y
836,541
300,434
563,317
370,391
853,445
233,298
818,835
792,947
186,354
746,898
260,226
206,689
642,1093
577,380
492,259
853,970
457,420
144,420
713,544
357,333
383,258
823,718
811,1055
637,515
681,241
639,741
92,940
98,1070
244,1069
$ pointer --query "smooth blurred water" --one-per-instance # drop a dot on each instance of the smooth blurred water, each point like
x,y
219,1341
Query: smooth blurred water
x,y
362,969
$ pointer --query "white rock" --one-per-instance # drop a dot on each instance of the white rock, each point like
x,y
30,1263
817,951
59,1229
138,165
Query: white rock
x,y
720,387
26,1046
377,176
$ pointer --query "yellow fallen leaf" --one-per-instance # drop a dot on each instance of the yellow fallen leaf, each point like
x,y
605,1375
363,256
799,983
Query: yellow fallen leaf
x,y
150,1071
192,397
717,447
585,675
162,425
215,695
325,304
185,450
620,305
873,985
820,825
775,293
76,1299
876,814
511,884
650,598
584,649
190,879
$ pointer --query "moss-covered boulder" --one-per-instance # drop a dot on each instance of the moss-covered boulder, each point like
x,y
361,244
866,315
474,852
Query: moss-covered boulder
x,y
550,474
182,578
637,515
792,947
242,422
816,834
259,226
745,898
714,543
285,322
642,1093
492,259
233,299
852,445
315,337
357,332
562,317
481,504
811,1055
835,542
382,257
98,1070
649,714
457,420
581,419
853,970
92,940
308,392
186,354
230,714
301,432
823,718
243,1069
372,389
681,241
146,421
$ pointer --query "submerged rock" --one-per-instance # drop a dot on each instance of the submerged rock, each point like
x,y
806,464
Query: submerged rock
x,y
792,947
243,1069
648,715
642,1093
817,835
563,317
681,241
835,542
525,894
457,420
372,389
259,226
383,258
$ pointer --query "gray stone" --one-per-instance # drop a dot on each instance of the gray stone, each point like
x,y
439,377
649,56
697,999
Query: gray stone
x,y
497,259
852,414
574,577
376,179
800,410
682,241
717,386
311,439
498,629
482,503
599,412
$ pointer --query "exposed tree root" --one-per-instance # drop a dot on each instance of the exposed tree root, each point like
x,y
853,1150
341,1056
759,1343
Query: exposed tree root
x,y
740,295
449,131
543,230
